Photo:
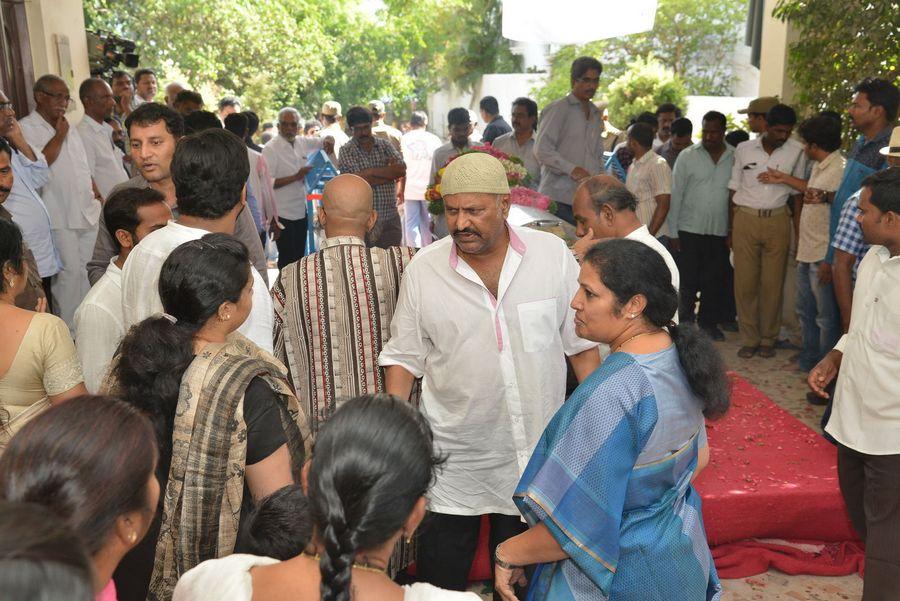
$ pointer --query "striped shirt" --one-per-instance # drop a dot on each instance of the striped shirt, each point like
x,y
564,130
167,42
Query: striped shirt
x,y
649,177
333,313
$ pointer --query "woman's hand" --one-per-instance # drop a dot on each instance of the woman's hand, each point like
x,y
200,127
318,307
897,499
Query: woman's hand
x,y
505,580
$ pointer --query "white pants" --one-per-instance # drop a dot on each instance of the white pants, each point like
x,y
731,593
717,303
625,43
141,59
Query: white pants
x,y
71,284
416,223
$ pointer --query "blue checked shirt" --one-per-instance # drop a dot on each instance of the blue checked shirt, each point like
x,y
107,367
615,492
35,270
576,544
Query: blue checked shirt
x,y
848,236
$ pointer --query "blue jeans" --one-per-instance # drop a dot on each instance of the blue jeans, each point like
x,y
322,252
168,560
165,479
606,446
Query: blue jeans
x,y
817,311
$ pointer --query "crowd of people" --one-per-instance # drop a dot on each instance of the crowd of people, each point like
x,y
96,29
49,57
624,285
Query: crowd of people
x,y
175,425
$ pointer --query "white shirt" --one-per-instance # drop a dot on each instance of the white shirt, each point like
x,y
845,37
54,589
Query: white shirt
x,y
103,159
751,159
285,159
68,195
140,283
494,369
866,411
642,234
29,211
510,145
417,147
229,578
99,326
649,177
340,138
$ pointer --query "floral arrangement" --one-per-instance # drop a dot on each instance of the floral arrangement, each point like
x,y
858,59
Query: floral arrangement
x,y
516,176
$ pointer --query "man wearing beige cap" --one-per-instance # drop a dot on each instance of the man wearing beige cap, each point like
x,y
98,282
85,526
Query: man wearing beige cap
x,y
330,116
380,129
756,112
484,318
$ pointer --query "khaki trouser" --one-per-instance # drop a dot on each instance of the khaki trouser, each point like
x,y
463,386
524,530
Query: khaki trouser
x,y
760,243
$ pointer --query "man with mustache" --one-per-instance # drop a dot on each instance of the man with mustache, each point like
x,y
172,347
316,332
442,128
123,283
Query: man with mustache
x,y
484,318
70,194
569,146
760,228
25,206
154,130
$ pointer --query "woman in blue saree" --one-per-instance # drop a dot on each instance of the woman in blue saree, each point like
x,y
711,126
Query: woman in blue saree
x,y
607,493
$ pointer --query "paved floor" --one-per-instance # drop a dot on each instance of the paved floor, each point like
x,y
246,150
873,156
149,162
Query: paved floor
x,y
781,381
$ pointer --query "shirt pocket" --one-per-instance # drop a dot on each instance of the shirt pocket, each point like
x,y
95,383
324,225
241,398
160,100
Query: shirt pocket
x,y
884,328
538,324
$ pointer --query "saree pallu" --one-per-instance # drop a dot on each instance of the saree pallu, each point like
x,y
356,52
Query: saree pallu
x,y
631,531
203,495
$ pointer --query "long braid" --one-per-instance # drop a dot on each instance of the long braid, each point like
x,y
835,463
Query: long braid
x,y
336,563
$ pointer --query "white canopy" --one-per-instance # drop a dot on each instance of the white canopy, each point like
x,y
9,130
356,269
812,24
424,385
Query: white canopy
x,y
575,21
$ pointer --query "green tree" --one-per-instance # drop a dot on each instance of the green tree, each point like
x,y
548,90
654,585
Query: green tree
x,y
837,46
693,38
645,85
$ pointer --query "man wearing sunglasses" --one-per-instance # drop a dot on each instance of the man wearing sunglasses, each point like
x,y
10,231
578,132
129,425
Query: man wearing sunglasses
x,y
71,197
569,145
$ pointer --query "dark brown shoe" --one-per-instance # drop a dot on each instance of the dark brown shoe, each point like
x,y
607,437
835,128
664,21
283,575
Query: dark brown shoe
x,y
746,352
766,352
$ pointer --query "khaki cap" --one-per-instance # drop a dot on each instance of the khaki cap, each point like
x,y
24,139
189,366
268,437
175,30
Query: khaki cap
x,y
376,106
760,105
332,108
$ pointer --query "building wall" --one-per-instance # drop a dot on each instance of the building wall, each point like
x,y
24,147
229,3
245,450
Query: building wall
x,y
47,21
776,37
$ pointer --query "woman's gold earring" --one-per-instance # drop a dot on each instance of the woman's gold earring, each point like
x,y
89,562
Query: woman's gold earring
x,y
132,537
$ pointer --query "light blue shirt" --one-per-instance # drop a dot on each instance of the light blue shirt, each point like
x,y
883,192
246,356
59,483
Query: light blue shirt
x,y
29,212
699,202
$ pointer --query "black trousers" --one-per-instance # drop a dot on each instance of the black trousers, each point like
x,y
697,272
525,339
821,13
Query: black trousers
x,y
48,292
447,544
870,485
703,263
292,242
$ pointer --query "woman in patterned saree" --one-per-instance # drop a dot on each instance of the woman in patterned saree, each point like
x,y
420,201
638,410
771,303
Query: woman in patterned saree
x,y
228,427
607,491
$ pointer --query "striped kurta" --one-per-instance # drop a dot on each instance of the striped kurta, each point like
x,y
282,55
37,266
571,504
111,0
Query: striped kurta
x,y
333,313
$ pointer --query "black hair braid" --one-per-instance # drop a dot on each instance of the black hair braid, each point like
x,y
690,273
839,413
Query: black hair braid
x,y
336,563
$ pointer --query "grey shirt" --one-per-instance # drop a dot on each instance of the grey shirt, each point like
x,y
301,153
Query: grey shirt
x,y
105,247
567,140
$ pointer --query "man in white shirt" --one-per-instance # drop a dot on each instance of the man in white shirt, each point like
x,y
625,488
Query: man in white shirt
x,y
105,163
604,208
145,85
865,418
330,116
570,143
760,228
130,215
484,318
649,179
287,155
209,170
460,127
520,141
417,146
70,194
666,114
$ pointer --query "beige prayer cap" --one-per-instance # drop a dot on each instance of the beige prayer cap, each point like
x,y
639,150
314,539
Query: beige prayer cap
x,y
476,172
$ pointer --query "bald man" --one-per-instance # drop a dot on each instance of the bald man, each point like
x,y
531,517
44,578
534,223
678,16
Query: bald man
x,y
172,90
333,308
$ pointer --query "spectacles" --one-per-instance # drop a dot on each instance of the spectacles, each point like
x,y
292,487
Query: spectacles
x,y
64,97
6,106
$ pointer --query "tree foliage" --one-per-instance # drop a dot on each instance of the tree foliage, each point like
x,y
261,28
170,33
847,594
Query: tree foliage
x,y
645,85
837,46
693,38
273,53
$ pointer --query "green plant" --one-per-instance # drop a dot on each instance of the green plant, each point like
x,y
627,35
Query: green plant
x,y
644,86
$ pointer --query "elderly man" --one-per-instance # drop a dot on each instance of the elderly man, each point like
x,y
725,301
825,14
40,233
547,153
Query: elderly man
x,y
605,208
484,319
520,141
377,161
154,130
25,205
172,90
105,163
123,92
287,155
359,301
70,194
570,143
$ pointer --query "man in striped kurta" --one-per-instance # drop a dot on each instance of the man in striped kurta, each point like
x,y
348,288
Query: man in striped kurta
x,y
333,308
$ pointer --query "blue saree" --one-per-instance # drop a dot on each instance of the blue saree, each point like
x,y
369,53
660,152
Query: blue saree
x,y
610,478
